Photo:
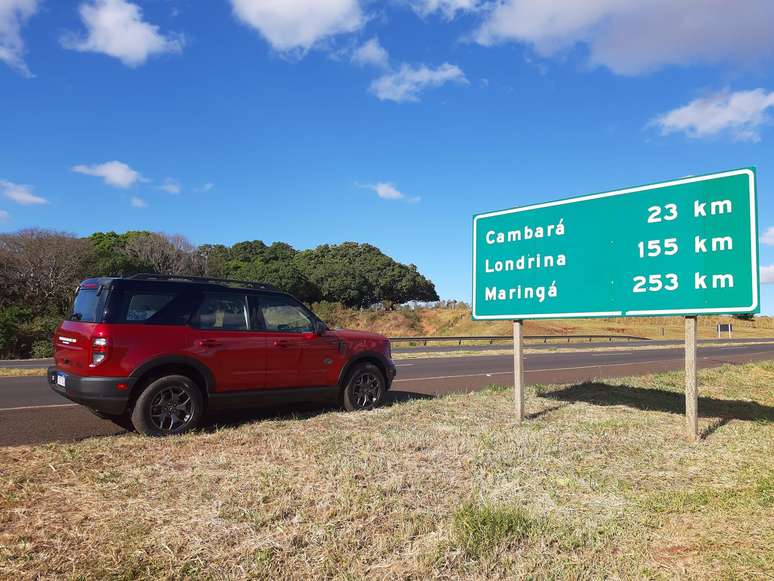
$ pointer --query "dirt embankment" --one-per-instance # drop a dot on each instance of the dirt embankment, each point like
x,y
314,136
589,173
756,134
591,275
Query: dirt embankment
x,y
457,321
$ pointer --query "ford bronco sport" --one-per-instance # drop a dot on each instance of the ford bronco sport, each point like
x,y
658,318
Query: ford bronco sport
x,y
154,352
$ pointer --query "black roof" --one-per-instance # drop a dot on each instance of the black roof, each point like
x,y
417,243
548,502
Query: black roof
x,y
228,283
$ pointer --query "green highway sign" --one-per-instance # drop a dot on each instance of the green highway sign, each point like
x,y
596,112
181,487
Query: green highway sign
x,y
683,247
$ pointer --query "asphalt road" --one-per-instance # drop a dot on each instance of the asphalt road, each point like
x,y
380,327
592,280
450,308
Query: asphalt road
x,y
26,363
555,344
31,413
496,346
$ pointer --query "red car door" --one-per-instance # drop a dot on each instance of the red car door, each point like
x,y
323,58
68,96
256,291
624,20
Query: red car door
x,y
320,360
223,338
297,355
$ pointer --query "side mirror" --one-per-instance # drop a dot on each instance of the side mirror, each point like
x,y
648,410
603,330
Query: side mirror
x,y
320,327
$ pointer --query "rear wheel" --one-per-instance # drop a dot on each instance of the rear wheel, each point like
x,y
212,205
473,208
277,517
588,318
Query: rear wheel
x,y
172,404
364,389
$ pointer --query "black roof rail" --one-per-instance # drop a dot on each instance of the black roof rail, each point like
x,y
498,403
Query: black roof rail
x,y
203,279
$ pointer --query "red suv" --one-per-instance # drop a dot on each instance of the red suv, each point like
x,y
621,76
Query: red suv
x,y
154,352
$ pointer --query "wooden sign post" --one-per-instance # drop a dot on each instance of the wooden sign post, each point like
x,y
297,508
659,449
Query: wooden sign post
x,y
518,369
691,389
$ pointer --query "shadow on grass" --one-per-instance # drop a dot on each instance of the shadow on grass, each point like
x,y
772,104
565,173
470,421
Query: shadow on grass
x,y
292,410
663,401
548,410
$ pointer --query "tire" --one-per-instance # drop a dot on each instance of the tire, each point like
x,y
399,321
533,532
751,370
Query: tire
x,y
364,389
172,404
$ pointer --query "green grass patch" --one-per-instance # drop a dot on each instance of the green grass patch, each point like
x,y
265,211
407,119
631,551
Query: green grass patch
x,y
479,529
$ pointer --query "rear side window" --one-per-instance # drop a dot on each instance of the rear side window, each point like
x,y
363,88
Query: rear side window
x,y
226,312
144,306
88,306
153,307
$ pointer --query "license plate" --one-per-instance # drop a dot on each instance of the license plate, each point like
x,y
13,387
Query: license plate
x,y
60,379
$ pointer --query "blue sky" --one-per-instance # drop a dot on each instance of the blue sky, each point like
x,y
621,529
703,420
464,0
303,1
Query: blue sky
x,y
320,121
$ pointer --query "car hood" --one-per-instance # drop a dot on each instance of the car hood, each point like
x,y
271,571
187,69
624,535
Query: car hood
x,y
351,335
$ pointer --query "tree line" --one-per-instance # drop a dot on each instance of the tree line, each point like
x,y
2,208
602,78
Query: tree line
x,y
40,269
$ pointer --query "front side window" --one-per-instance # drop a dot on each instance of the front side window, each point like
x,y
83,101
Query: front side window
x,y
223,312
283,314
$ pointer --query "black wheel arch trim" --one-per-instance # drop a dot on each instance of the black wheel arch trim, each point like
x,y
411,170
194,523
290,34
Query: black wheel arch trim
x,y
362,356
165,360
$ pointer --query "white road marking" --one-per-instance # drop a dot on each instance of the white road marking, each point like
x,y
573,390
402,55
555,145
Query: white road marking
x,y
490,374
39,407
403,364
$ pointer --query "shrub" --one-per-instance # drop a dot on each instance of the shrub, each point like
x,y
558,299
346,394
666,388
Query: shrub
x,y
332,313
42,349
11,318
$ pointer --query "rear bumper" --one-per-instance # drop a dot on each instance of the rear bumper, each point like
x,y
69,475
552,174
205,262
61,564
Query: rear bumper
x,y
98,393
391,372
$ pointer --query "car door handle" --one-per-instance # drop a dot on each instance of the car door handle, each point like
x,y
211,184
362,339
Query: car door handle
x,y
282,343
208,343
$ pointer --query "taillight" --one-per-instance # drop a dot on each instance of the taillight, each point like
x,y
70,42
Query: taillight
x,y
100,348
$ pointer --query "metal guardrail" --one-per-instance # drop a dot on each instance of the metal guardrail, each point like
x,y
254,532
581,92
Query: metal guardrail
x,y
493,338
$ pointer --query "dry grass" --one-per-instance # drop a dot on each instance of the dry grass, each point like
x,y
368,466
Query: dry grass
x,y
21,372
597,483
434,322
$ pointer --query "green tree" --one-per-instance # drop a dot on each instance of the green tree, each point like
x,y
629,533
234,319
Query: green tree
x,y
284,275
359,275
214,258
110,257
745,317
11,318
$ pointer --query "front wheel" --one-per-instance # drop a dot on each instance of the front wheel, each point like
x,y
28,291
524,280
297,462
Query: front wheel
x,y
172,404
364,389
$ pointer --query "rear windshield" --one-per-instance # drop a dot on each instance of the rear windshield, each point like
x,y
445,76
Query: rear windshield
x,y
88,306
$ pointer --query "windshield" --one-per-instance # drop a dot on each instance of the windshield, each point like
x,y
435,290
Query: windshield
x,y
88,306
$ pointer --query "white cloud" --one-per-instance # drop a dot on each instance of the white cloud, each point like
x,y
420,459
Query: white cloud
x,y
767,274
137,202
299,24
741,114
13,15
768,236
171,186
20,194
116,28
205,188
4,216
388,191
406,84
371,53
637,36
447,8
115,173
